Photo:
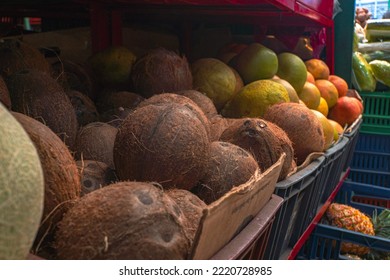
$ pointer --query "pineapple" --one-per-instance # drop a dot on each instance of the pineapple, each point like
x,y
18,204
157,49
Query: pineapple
x,y
347,217
381,224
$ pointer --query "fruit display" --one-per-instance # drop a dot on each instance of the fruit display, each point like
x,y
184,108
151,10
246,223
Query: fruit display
x,y
137,150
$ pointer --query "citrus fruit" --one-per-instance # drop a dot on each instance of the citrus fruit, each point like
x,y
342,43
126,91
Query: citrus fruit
x,y
345,111
254,99
292,69
255,62
215,79
340,84
327,128
310,95
310,78
323,107
328,91
112,66
317,68
291,91
338,129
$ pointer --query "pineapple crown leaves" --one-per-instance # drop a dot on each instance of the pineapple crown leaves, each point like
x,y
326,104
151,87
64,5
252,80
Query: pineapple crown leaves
x,y
381,223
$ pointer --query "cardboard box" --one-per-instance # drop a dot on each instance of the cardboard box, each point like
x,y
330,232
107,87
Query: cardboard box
x,y
223,219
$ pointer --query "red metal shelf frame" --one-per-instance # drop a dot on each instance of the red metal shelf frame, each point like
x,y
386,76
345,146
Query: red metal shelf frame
x,y
106,16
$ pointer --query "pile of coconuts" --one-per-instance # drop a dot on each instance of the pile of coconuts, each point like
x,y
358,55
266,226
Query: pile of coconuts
x,y
129,171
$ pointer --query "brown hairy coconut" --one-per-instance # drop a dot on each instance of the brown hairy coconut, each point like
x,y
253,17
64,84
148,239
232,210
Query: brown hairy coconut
x,y
113,99
179,99
229,166
264,140
126,220
217,126
203,101
116,116
191,206
94,175
4,94
166,143
160,70
36,94
95,141
84,107
73,76
301,125
62,181
16,55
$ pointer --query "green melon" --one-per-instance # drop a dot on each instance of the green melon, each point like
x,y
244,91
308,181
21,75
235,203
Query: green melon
x,y
21,189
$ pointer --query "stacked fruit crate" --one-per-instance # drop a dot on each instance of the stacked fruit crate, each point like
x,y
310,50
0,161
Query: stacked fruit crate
x,y
367,189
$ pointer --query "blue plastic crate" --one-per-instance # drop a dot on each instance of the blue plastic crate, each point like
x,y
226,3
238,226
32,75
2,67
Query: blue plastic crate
x,y
325,240
371,161
373,143
297,191
352,133
333,168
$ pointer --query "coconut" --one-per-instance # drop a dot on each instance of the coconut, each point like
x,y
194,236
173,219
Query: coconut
x,y
73,76
95,141
161,70
21,189
217,126
116,116
301,125
126,220
16,55
113,99
4,94
84,107
166,143
62,181
229,166
191,206
202,100
264,140
36,94
179,99
94,175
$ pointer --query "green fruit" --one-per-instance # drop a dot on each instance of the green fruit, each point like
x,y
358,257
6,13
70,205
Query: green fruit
x,y
21,189
254,99
292,69
291,91
112,66
381,70
215,79
256,62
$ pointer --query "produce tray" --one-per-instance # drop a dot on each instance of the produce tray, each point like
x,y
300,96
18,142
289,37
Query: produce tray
x,y
333,168
376,115
373,143
325,240
251,242
297,191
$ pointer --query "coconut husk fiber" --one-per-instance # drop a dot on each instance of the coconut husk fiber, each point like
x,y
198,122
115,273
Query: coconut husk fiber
x,y
302,127
16,55
36,94
229,166
264,140
166,143
125,221
84,107
95,141
202,100
179,99
160,70
62,181
191,206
